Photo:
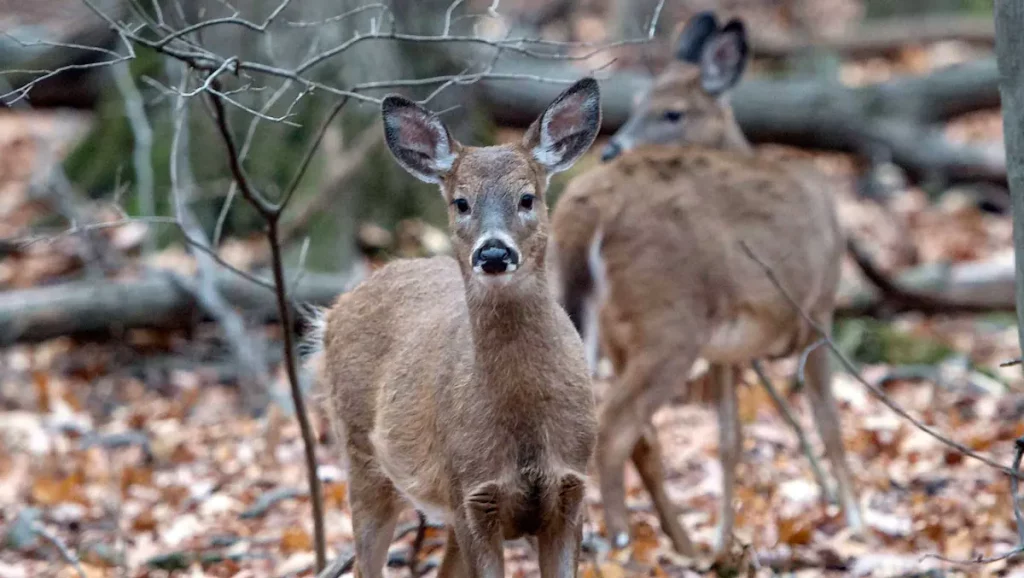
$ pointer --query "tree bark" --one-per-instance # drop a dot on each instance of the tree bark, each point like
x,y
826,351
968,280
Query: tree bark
x,y
160,301
899,119
1009,17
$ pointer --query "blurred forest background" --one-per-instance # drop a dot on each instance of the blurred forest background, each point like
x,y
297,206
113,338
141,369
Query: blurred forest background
x,y
146,421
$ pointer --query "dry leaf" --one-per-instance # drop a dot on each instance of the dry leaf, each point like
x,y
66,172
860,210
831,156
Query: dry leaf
x,y
295,539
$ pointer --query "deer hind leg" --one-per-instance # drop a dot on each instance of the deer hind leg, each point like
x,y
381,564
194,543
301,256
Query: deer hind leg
x,y
375,507
645,386
478,531
730,446
818,378
558,542
451,562
648,463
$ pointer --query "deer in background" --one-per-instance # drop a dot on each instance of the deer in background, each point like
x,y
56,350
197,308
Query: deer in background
x,y
647,250
459,385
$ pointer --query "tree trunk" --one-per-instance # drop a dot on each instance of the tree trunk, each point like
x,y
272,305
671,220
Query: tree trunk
x,y
1009,16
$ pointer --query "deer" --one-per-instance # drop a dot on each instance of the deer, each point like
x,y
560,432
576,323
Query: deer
x,y
457,383
648,250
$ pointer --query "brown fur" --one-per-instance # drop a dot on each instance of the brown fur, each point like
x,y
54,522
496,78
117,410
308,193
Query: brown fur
x,y
669,219
471,401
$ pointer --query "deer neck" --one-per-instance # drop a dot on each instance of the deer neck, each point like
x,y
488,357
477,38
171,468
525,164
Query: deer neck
x,y
512,327
734,139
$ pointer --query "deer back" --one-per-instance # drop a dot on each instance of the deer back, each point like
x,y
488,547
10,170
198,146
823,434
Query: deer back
x,y
677,194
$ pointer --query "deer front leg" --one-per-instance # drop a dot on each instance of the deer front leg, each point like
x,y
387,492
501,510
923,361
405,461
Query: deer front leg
x,y
375,507
478,531
558,543
647,460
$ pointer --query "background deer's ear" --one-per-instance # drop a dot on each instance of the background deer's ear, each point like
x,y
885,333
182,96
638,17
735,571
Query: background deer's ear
x,y
567,128
690,43
724,58
418,139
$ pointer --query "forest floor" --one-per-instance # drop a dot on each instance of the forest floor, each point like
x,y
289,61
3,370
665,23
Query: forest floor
x,y
151,472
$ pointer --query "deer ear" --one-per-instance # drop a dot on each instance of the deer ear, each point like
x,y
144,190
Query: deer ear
x,y
724,58
690,43
418,140
567,128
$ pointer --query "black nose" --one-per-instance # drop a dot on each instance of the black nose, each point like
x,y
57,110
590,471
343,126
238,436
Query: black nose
x,y
494,257
610,151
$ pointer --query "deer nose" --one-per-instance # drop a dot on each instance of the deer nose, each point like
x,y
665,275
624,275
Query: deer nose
x,y
610,151
494,257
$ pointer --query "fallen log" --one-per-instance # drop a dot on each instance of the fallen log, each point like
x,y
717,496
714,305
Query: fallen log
x,y
899,119
971,287
158,301
877,37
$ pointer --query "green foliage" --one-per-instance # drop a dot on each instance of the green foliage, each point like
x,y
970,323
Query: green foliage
x,y
872,341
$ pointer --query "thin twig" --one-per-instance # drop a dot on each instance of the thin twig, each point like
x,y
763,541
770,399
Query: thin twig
x,y
417,544
142,152
247,347
874,389
272,215
787,415
61,547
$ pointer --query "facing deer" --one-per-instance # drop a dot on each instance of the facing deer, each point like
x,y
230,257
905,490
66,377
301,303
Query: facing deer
x,y
648,251
460,385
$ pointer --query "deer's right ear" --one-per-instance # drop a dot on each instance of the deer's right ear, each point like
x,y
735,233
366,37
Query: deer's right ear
x,y
418,139
690,44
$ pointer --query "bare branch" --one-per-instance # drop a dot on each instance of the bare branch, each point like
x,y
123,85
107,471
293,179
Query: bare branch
x,y
787,415
272,214
234,20
57,543
338,18
142,152
246,346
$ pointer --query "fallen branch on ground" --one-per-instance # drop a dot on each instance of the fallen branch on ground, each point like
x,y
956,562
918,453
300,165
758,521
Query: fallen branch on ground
x,y
979,286
896,299
158,301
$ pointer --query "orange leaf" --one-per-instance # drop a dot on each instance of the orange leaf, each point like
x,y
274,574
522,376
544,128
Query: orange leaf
x,y
794,531
295,539
145,522
334,494
51,491
132,476
42,383
645,543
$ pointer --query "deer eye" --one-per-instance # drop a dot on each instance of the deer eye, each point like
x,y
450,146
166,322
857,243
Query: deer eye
x,y
526,202
673,115
461,205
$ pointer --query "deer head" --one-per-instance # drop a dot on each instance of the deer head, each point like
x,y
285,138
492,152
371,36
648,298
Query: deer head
x,y
687,104
497,210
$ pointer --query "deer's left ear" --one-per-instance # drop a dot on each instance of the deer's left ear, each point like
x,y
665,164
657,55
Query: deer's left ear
x,y
418,140
567,128
723,59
